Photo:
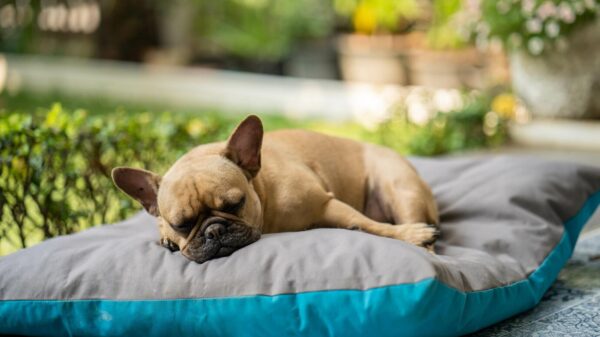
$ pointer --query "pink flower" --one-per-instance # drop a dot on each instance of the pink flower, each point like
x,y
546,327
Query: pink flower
x,y
552,29
535,45
546,10
534,25
528,6
566,13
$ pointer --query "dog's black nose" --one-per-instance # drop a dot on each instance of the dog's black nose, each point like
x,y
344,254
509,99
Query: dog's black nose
x,y
214,231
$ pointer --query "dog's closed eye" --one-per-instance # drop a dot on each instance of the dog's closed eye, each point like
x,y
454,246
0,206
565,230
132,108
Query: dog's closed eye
x,y
233,208
184,226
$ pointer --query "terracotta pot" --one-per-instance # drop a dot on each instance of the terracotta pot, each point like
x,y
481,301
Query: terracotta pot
x,y
564,83
404,60
380,59
448,68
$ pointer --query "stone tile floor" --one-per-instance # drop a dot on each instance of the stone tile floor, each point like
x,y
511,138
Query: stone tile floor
x,y
571,307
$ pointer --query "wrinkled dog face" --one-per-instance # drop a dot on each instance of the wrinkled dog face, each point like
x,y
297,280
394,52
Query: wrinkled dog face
x,y
206,204
209,210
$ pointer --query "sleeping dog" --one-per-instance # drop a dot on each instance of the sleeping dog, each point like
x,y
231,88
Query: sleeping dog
x,y
220,197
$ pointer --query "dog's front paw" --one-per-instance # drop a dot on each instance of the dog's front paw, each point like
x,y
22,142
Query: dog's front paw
x,y
420,234
170,245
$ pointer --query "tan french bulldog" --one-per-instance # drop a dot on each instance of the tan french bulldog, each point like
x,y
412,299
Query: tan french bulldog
x,y
220,197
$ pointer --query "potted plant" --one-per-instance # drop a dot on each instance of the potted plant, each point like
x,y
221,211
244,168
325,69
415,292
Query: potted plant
x,y
375,51
443,57
554,49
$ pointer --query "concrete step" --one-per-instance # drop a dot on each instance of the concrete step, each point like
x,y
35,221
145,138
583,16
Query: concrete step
x,y
558,134
201,87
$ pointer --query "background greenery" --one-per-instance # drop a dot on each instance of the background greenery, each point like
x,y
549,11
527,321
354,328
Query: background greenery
x,y
263,30
255,35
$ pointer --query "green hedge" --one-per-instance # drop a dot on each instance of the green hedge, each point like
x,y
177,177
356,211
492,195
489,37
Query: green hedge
x,y
472,127
55,167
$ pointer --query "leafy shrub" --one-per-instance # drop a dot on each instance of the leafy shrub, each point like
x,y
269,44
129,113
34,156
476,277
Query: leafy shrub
x,y
55,168
444,30
472,126
263,30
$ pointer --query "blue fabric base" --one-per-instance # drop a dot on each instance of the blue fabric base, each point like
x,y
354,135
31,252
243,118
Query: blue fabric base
x,y
426,308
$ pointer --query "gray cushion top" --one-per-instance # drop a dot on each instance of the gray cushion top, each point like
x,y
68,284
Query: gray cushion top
x,y
500,217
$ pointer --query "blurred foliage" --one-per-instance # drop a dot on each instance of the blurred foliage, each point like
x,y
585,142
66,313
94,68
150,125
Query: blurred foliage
x,y
472,127
443,32
265,30
532,25
261,30
258,35
378,16
113,29
55,163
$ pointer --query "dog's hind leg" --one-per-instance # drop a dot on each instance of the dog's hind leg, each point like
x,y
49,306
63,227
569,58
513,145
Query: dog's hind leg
x,y
396,192
396,189
340,215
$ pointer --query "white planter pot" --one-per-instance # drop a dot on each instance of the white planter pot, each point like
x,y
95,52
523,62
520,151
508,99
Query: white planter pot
x,y
562,83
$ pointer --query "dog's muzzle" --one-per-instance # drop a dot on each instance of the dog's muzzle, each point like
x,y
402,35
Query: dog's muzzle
x,y
219,235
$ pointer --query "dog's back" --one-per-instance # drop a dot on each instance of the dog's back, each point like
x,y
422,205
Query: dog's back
x,y
337,162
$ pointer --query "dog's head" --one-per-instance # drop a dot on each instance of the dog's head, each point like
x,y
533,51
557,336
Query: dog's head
x,y
206,203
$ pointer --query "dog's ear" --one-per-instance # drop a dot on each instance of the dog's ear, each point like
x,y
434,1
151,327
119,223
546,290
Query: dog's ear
x,y
244,144
139,184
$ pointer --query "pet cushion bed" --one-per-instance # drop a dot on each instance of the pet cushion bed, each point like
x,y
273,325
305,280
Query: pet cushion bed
x,y
509,224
